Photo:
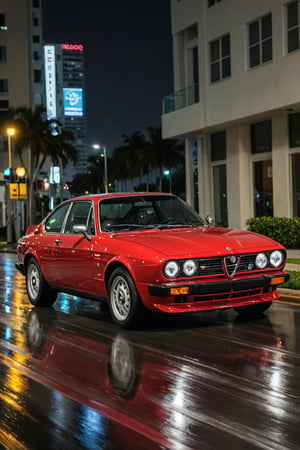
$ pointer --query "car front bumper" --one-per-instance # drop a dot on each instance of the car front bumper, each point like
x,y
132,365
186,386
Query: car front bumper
x,y
193,297
219,287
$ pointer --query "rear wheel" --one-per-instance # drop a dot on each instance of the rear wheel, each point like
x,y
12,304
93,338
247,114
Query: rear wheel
x,y
253,309
38,290
124,304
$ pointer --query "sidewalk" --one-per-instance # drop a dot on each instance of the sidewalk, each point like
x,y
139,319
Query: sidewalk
x,y
292,254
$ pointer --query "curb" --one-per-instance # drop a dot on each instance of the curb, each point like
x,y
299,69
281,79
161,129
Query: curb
x,y
289,292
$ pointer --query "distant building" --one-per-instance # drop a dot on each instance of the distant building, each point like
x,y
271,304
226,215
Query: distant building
x,y
21,70
65,95
237,106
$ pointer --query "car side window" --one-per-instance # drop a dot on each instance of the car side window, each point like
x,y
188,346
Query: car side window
x,y
55,221
78,215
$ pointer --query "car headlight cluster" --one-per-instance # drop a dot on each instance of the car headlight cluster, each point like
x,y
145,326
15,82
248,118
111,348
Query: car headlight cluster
x,y
217,265
172,268
275,259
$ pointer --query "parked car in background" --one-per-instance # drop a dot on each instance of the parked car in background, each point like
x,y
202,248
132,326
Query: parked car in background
x,y
144,252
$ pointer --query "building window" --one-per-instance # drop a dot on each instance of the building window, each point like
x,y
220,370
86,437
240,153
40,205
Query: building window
x,y
195,65
296,183
213,2
4,86
4,104
35,3
260,41
36,21
263,185
36,56
218,146
261,137
261,142
220,63
37,76
294,130
2,22
36,39
3,55
218,158
293,24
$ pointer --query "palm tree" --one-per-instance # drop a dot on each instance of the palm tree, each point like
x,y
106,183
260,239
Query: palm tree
x,y
131,158
121,166
163,153
96,173
35,135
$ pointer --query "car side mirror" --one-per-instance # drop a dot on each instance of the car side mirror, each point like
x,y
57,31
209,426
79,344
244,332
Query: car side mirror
x,y
81,229
208,219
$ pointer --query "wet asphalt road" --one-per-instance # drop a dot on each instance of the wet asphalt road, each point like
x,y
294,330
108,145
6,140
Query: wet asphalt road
x,y
71,379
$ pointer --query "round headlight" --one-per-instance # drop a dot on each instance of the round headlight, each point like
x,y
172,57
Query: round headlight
x,y
171,269
190,267
261,260
276,258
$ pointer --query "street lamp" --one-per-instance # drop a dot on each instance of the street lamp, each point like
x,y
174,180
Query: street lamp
x,y
9,224
98,147
10,134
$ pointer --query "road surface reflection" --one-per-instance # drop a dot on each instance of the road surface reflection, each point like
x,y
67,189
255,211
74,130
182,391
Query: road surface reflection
x,y
72,379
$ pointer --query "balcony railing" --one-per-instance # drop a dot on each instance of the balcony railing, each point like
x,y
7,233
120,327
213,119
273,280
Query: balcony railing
x,y
181,99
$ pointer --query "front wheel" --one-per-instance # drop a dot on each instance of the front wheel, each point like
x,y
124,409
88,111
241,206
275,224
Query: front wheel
x,y
253,310
39,292
125,306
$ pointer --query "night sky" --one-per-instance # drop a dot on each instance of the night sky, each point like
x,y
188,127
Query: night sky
x,y
128,60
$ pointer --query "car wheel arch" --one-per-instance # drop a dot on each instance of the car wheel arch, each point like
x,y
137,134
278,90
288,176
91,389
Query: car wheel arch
x,y
28,256
115,265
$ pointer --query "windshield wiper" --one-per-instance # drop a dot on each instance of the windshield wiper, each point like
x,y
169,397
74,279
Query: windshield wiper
x,y
175,223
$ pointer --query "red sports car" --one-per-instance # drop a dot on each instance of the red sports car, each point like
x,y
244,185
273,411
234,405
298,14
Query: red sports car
x,y
147,251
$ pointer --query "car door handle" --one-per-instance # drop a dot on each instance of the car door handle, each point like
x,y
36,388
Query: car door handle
x,y
57,241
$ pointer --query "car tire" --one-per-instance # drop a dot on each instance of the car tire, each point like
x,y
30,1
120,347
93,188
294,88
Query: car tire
x,y
38,290
253,310
124,303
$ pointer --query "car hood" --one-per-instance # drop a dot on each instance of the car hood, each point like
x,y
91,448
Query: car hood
x,y
200,241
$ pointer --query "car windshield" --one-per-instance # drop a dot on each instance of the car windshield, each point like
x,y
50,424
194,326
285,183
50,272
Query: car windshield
x,y
142,212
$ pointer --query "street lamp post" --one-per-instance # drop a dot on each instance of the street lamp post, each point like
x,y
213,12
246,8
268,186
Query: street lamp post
x,y
9,222
97,147
10,134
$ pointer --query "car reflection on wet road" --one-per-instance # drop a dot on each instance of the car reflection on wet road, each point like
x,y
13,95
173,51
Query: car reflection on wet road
x,y
70,378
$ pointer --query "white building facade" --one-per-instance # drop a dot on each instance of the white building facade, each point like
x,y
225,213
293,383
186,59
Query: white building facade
x,y
237,106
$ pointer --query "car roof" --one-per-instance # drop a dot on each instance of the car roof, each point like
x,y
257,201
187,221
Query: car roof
x,y
118,194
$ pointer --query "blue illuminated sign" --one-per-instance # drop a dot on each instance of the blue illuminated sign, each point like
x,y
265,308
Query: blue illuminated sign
x,y
73,103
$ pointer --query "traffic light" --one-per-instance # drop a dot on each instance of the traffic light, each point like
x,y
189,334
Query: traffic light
x,y
7,173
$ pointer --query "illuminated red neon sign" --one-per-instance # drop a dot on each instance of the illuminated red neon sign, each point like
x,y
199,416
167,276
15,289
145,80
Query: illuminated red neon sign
x,y
77,47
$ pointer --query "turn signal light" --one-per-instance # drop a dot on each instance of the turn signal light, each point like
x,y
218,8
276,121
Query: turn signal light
x,y
277,280
179,291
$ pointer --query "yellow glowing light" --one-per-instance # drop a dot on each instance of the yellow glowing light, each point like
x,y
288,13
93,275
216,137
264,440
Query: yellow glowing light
x,y
179,291
277,280
11,131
